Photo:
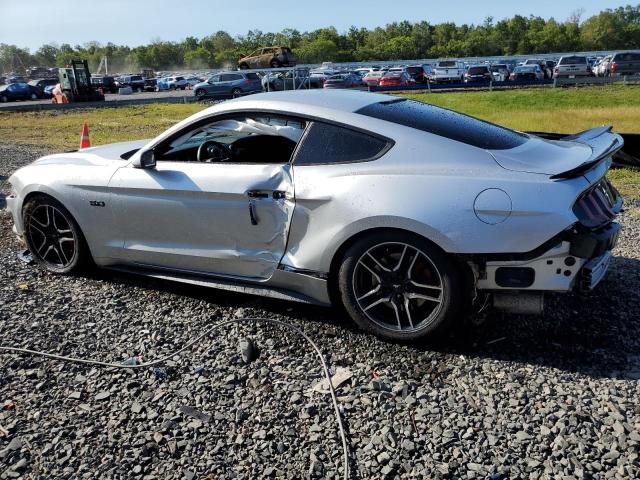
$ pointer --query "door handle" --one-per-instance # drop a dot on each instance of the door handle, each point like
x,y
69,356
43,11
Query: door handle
x,y
257,194
275,194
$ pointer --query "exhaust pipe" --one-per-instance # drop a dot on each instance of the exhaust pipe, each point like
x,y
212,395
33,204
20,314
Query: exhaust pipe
x,y
520,303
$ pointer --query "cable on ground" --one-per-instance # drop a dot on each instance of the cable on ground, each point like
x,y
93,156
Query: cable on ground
x,y
289,326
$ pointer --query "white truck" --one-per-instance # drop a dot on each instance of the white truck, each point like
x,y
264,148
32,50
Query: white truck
x,y
448,71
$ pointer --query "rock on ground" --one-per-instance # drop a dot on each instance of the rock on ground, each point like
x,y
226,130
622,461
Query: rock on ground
x,y
558,397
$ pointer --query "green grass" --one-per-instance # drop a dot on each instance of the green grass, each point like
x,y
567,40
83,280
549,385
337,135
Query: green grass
x,y
60,130
562,110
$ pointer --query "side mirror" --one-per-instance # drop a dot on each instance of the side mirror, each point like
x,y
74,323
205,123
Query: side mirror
x,y
146,160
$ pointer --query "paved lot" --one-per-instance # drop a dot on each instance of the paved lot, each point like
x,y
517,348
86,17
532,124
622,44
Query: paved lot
x,y
547,397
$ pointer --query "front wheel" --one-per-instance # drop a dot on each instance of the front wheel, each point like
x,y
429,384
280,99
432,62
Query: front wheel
x,y
399,286
236,92
53,236
201,93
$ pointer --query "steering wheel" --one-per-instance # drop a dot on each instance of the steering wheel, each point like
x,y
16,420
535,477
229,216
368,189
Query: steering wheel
x,y
212,151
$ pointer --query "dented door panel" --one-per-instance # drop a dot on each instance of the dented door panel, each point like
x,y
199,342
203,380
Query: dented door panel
x,y
196,217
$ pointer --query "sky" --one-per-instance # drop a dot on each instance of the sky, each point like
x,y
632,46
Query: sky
x,y
31,23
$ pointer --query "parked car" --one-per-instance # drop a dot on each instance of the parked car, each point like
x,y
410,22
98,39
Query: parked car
x,y
344,80
448,71
300,195
527,72
269,57
395,78
17,91
176,82
500,72
419,73
162,84
601,68
291,80
39,85
542,64
16,79
150,84
572,66
106,82
193,81
136,82
478,74
229,84
323,73
363,72
48,91
372,79
624,63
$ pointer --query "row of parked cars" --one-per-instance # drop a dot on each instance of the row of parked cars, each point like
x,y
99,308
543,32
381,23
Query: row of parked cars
x,y
621,63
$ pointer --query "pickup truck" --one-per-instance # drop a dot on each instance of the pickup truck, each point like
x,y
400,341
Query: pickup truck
x,y
572,66
448,71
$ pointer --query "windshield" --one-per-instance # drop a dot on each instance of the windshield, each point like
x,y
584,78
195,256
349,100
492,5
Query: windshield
x,y
477,70
446,64
525,69
572,60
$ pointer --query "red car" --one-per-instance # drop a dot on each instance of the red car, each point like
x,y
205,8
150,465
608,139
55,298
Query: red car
x,y
395,79
372,79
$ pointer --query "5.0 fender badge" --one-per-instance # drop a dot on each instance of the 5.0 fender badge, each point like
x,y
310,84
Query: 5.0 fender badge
x,y
95,203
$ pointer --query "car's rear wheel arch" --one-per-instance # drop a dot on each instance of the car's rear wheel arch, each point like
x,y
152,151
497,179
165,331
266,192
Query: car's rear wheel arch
x,y
440,306
339,254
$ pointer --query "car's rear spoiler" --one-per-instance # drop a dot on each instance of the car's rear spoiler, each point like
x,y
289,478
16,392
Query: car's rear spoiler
x,y
604,144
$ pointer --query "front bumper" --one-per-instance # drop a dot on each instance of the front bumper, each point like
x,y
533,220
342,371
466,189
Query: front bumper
x,y
579,261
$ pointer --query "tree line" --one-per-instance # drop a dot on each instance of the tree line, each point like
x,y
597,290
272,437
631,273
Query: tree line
x,y
608,30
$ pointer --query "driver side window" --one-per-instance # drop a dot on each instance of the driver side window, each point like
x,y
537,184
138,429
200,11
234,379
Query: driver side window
x,y
253,138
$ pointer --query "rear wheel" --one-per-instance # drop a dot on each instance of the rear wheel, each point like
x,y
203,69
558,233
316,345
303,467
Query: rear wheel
x,y
236,92
3,99
53,236
201,93
399,286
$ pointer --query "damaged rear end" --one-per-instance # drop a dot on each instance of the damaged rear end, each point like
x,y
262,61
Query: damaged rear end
x,y
577,258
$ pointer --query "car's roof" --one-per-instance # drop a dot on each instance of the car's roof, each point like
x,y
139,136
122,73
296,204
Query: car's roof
x,y
343,100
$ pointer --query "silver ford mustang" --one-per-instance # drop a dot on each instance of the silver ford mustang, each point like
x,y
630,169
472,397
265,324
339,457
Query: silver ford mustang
x,y
405,213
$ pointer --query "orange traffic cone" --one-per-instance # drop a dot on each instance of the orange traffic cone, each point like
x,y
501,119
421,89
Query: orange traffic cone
x,y
84,136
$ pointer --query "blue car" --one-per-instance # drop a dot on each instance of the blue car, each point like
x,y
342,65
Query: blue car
x,y
162,84
17,91
228,84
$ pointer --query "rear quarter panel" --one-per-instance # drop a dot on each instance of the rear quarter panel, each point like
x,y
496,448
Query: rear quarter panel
x,y
427,185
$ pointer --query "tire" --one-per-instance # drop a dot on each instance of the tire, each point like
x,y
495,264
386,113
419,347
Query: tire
x,y
200,93
236,92
183,88
172,87
427,284
274,64
34,96
53,236
3,99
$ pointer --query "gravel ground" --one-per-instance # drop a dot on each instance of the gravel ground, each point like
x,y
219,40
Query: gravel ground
x,y
552,397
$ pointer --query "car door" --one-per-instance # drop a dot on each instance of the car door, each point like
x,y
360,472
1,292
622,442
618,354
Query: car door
x,y
212,84
221,218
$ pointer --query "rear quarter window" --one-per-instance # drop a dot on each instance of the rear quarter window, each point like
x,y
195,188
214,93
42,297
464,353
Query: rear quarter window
x,y
327,144
253,76
445,123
